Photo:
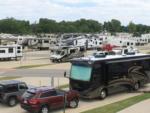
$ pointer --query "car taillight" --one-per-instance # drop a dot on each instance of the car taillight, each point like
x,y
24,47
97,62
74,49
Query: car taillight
x,y
19,98
33,101
1,95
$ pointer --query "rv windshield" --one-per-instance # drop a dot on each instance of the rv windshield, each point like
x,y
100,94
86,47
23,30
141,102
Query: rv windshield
x,y
81,72
58,52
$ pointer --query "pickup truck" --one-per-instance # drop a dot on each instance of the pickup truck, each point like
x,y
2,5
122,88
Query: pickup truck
x,y
43,99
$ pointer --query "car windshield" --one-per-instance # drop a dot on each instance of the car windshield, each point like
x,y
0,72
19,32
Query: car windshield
x,y
81,72
29,95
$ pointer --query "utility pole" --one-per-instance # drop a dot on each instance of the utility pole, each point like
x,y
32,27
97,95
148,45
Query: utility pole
x,y
52,81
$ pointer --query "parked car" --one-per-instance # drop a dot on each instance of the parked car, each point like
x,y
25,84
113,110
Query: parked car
x,y
44,99
10,90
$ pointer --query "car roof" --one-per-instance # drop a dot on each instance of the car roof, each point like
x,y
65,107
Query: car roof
x,y
41,89
9,82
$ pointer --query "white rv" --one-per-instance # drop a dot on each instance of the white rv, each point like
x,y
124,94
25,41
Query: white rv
x,y
8,52
64,54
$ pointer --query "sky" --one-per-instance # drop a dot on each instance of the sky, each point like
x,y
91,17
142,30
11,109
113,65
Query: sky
x,y
137,11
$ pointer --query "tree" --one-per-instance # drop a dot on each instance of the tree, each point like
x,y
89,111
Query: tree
x,y
116,25
132,28
11,25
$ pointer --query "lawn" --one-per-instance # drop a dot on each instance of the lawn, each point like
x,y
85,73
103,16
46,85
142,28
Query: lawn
x,y
8,78
118,106
63,86
32,66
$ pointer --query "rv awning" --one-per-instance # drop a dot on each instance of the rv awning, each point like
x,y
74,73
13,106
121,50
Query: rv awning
x,y
32,72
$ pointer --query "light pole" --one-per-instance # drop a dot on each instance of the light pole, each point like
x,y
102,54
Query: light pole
x,y
65,99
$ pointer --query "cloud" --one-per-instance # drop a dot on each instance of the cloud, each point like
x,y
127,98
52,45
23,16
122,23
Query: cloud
x,y
101,10
75,3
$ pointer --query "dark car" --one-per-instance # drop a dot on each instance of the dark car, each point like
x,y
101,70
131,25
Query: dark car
x,y
10,90
44,99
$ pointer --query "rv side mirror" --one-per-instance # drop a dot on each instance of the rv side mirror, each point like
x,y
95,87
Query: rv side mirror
x,y
65,73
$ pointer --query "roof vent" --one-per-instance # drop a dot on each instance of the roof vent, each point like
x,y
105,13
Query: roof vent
x,y
130,53
99,55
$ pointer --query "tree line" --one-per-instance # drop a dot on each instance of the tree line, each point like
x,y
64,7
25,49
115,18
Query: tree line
x,y
14,26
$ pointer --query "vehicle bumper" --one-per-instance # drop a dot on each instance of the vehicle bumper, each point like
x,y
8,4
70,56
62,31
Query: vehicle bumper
x,y
31,108
86,96
3,101
90,94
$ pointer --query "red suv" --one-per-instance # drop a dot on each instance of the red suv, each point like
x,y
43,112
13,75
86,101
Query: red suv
x,y
42,99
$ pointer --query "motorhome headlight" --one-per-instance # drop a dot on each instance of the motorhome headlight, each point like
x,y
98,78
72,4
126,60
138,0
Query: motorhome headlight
x,y
89,62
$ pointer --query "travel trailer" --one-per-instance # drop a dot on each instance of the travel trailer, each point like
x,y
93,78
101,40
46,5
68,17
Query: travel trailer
x,y
90,42
8,52
98,75
64,54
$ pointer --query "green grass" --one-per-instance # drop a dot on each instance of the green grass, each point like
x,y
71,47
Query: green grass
x,y
8,78
32,66
118,106
63,86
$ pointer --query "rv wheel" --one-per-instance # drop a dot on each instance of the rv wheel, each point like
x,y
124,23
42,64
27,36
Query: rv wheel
x,y
103,94
136,86
16,59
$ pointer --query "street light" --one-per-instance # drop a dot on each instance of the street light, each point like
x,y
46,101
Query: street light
x,y
65,100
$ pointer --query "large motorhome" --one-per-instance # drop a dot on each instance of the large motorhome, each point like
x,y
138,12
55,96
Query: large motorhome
x,y
8,52
97,75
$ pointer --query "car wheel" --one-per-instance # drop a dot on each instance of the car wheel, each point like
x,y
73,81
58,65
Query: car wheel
x,y
44,109
73,103
136,86
103,94
12,101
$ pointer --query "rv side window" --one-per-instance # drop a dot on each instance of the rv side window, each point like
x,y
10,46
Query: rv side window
x,y
18,47
2,51
117,69
10,50
125,51
46,41
40,41
18,51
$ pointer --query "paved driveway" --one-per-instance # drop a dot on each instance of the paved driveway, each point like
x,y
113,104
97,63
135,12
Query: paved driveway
x,y
142,107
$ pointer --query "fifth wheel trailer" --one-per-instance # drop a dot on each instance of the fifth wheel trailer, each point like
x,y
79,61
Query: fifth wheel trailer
x,y
96,76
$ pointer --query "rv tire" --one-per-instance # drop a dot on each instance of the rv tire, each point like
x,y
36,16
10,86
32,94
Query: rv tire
x,y
136,86
103,94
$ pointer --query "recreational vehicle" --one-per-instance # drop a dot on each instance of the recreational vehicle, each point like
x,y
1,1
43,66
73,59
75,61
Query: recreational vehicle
x,y
66,53
8,52
98,75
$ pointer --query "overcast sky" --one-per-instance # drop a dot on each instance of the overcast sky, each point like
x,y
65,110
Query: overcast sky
x,y
137,11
